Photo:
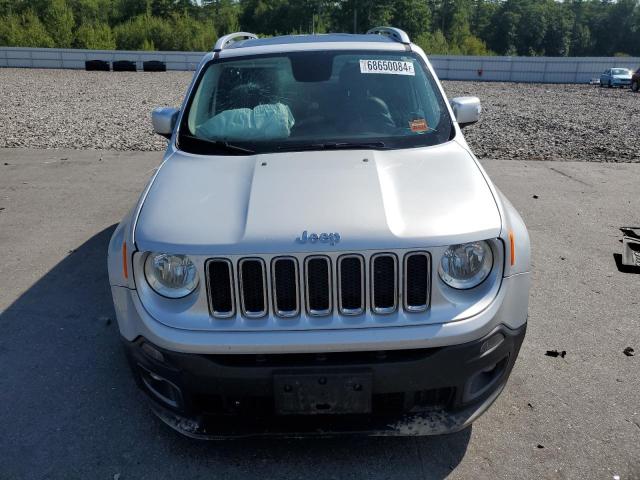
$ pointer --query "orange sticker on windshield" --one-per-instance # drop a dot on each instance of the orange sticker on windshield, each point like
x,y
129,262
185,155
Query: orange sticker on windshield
x,y
419,125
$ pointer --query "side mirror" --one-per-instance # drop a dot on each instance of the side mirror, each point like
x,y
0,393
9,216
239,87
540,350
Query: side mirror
x,y
164,120
467,110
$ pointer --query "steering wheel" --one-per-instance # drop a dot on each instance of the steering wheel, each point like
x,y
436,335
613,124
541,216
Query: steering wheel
x,y
308,125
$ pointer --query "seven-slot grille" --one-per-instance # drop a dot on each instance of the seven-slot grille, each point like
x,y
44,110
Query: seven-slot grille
x,y
318,285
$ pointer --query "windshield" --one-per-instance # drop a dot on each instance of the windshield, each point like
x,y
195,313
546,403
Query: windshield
x,y
620,71
314,100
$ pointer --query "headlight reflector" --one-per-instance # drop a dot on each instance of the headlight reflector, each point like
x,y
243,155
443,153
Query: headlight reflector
x,y
466,265
173,276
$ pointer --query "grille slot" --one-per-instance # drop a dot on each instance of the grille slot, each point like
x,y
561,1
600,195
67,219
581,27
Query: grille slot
x,y
417,280
253,288
318,285
384,283
284,273
220,281
351,297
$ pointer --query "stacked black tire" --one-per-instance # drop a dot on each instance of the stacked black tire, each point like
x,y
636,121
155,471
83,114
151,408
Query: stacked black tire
x,y
97,66
154,66
124,66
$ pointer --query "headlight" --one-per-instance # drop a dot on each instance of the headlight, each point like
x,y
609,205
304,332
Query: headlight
x,y
173,276
467,265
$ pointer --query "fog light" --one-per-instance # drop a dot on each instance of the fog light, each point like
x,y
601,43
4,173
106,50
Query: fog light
x,y
484,380
152,352
492,343
161,388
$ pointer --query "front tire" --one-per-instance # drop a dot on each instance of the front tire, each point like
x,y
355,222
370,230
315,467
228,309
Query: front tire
x,y
635,86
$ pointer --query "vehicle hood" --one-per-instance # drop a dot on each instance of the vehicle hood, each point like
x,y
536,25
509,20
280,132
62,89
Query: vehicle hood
x,y
406,198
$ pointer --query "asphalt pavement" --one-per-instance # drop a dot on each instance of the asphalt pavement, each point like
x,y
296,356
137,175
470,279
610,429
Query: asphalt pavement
x,y
69,407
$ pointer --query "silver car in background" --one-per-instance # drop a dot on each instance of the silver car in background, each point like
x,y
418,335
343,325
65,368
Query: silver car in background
x,y
616,77
320,252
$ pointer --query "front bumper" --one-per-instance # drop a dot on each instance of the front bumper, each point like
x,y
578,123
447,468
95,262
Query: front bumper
x,y
508,308
424,391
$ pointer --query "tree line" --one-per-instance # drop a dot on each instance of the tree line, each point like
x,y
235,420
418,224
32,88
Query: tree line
x,y
467,27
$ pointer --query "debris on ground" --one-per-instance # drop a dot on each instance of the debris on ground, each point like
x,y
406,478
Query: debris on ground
x,y
535,196
633,232
530,406
628,352
555,353
630,246
540,446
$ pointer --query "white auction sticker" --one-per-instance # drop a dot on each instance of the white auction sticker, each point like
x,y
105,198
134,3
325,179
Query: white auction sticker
x,y
392,67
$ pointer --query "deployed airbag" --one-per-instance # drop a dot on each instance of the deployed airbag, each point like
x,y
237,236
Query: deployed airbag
x,y
263,122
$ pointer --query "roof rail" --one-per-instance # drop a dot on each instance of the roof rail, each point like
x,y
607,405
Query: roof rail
x,y
395,33
226,40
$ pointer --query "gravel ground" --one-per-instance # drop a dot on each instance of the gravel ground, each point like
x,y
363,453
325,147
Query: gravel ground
x,y
96,110
85,110
553,122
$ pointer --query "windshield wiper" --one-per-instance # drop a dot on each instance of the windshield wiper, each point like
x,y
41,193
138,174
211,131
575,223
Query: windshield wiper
x,y
220,144
333,146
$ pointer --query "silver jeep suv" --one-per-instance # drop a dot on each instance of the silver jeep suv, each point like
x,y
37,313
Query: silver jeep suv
x,y
320,252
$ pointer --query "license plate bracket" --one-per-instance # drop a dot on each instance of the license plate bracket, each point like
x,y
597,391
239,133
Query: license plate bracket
x,y
324,393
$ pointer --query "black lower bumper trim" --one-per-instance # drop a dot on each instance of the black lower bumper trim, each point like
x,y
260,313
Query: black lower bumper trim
x,y
436,422
414,392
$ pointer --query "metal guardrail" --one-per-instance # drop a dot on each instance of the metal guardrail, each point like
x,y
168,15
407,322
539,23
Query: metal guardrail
x,y
448,67
528,69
